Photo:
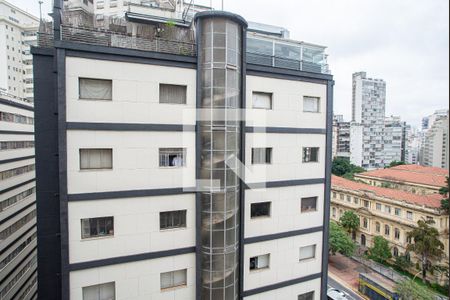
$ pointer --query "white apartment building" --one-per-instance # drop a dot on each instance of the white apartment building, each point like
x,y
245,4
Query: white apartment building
x,y
18,237
395,138
368,110
141,149
435,144
341,137
17,33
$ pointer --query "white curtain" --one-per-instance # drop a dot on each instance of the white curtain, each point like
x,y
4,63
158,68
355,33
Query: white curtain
x,y
263,261
96,89
175,278
262,100
166,280
179,277
174,94
311,104
96,159
307,252
104,291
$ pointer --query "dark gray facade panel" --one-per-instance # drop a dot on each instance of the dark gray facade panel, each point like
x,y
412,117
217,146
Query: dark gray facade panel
x,y
16,132
16,186
281,235
16,105
130,127
129,259
284,183
287,130
129,194
326,215
41,51
47,182
6,161
280,285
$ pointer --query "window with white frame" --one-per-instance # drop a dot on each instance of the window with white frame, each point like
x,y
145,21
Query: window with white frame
x,y
311,104
172,94
310,154
333,211
398,212
95,89
173,279
307,252
367,204
95,159
378,206
308,204
306,296
261,209
97,227
409,215
387,209
259,262
104,291
261,156
172,157
262,100
172,219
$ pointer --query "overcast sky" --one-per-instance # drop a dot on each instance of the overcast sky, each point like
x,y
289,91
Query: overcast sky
x,y
404,42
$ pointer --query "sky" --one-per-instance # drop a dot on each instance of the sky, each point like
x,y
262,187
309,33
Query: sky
x,y
404,42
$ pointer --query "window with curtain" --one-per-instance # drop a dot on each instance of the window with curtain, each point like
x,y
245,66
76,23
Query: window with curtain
x,y
311,104
306,296
262,100
172,94
173,279
387,230
105,291
172,219
307,252
259,262
261,209
261,156
309,204
94,159
172,157
97,227
397,233
310,154
95,89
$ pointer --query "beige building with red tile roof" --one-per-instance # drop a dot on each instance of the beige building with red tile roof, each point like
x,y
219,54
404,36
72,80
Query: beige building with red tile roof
x,y
387,212
411,178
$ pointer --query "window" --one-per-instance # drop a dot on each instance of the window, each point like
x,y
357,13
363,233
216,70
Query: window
x,y
334,195
397,234
307,252
16,171
306,296
17,251
378,206
97,227
387,230
365,223
172,157
95,89
395,251
341,197
398,212
262,100
409,215
172,219
259,262
173,279
367,204
311,104
95,159
8,231
310,154
349,199
378,227
309,204
8,202
105,291
333,212
261,209
172,94
387,209
261,156
356,200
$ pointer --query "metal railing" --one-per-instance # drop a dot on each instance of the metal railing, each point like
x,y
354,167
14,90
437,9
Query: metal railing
x,y
6,96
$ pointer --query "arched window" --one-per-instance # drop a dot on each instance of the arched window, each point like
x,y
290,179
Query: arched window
x,y
378,227
408,256
387,230
397,233
395,250
365,223
363,239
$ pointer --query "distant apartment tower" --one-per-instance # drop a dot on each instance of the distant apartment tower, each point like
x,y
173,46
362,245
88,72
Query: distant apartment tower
x,y
139,158
18,260
368,113
18,31
396,145
414,142
435,144
341,136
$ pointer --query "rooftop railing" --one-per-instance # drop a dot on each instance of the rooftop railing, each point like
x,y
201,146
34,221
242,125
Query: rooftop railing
x,y
12,98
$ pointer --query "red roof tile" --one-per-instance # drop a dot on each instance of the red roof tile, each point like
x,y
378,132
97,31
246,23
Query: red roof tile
x,y
433,200
412,173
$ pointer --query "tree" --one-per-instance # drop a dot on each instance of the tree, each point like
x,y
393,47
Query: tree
x,y
339,241
409,290
444,202
343,168
426,245
380,250
396,163
349,221
403,263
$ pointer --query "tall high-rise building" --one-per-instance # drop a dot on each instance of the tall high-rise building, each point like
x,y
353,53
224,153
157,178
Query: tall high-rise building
x,y
368,110
17,33
18,238
341,137
395,140
181,160
435,143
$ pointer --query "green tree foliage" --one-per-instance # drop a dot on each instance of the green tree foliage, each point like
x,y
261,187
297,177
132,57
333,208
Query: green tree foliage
x,y
426,245
403,263
339,241
380,250
349,221
343,168
396,163
409,290
444,202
